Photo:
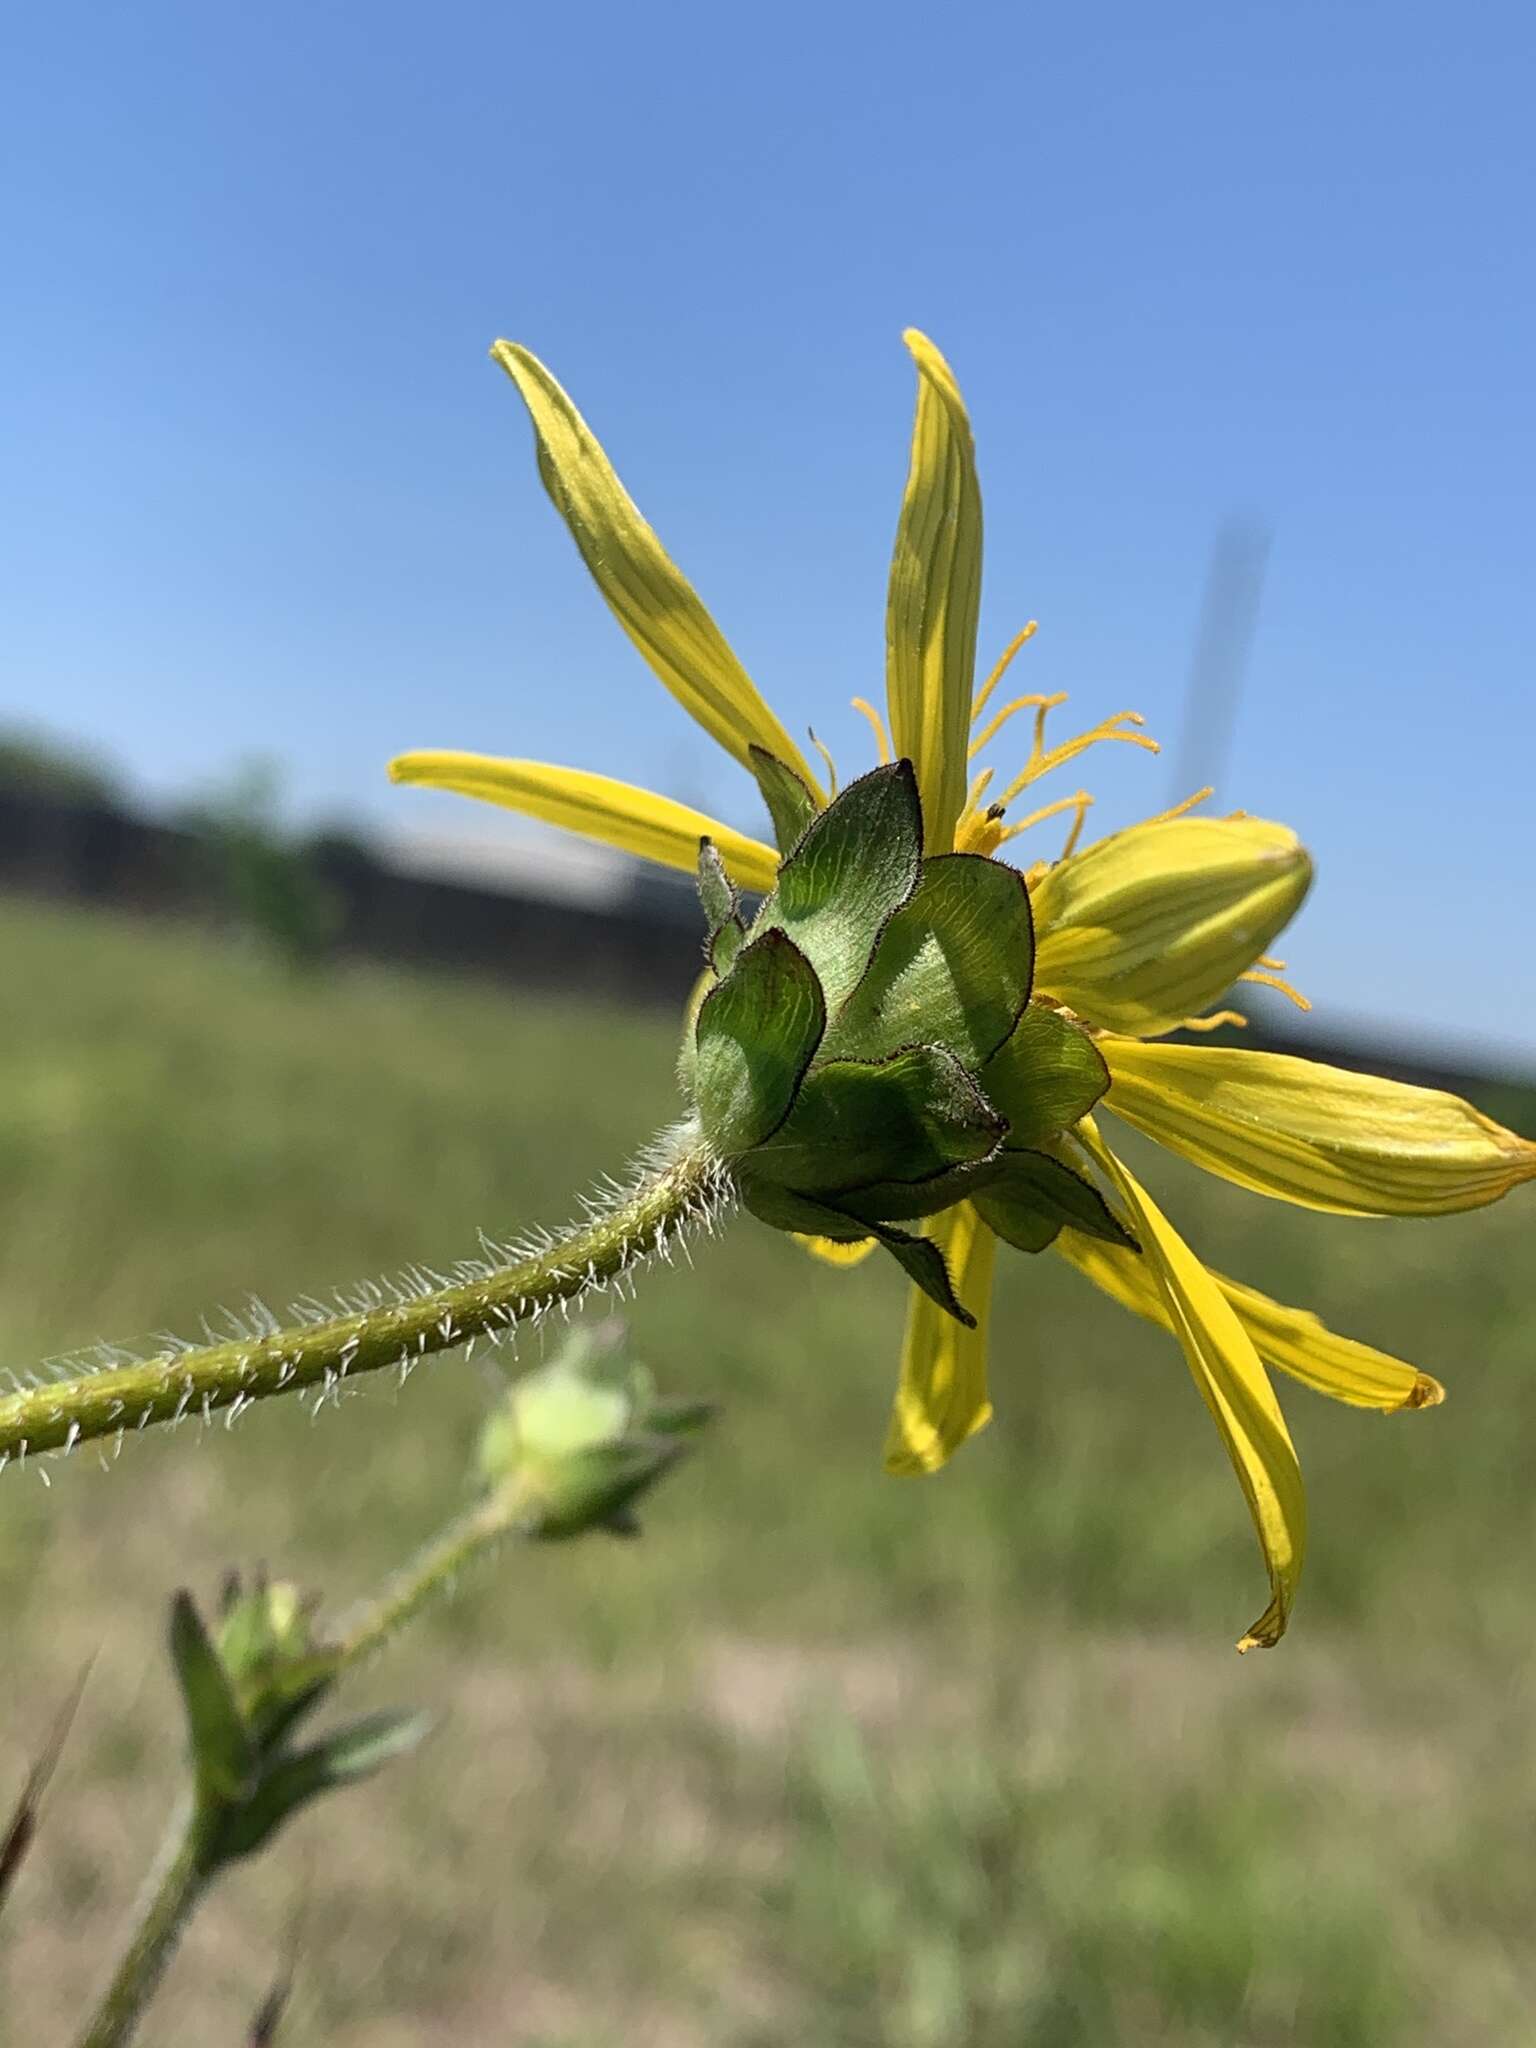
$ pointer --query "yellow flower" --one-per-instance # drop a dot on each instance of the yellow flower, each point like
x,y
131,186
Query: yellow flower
x,y
1134,936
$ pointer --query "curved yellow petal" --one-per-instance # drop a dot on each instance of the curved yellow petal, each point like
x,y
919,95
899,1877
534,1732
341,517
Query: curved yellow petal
x,y
1236,1390
942,1396
617,813
1292,1339
834,1251
1151,925
935,591
648,594
1318,1136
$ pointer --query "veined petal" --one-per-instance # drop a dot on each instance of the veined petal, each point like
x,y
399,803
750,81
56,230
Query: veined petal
x,y
1319,1136
1151,925
1293,1339
836,1253
942,1396
617,813
648,594
1235,1389
935,591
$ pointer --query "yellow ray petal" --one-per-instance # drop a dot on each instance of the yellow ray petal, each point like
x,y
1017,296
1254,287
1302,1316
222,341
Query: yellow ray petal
x,y
1151,925
1292,1339
648,594
942,1397
934,593
1316,1135
1235,1389
617,813
834,1251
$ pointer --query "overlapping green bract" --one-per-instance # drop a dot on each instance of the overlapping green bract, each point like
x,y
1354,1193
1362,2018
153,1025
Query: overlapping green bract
x,y
868,1054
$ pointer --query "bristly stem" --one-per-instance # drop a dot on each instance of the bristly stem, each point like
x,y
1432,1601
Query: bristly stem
x,y
57,1414
431,1572
175,1886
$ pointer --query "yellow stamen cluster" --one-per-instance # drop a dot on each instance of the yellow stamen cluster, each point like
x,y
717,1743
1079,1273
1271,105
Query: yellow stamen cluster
x,y
984,824
983,830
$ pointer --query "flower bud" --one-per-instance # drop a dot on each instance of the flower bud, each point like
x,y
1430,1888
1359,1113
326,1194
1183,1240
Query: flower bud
x,y
574,1444
868,1055
266,1643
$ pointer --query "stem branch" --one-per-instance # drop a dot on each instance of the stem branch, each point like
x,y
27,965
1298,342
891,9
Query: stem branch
x,y
369,1625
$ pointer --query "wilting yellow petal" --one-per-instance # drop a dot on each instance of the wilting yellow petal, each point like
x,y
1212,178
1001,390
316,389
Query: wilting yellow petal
x,y
834,1251
1315,1135
1236,1390
617,813
1151,925
935,590
1293,1339
942,1397
648,594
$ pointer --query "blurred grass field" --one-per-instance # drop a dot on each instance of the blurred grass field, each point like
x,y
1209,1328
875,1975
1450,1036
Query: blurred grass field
x,y
827,1757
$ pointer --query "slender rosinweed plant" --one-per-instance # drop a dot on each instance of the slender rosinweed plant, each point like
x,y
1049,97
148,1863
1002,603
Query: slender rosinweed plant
x,y
907,1043
566,1451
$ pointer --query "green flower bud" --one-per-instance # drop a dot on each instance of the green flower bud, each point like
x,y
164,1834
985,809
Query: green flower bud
x,y
573,1445
266,1643
868,1055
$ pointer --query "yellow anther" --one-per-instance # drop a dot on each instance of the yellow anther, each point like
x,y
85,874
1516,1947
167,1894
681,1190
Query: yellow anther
x,y
979,703
822,749
999,719
1179,811
882,738
980,832
1293,995
1040,764
1214,1022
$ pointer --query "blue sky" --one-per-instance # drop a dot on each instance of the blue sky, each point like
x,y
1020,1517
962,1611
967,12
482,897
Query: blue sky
x,y
269,493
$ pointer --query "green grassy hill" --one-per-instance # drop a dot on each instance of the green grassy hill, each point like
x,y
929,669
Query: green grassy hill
x,y
827,1757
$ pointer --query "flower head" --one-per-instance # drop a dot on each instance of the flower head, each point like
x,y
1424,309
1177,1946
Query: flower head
x,y
907,1043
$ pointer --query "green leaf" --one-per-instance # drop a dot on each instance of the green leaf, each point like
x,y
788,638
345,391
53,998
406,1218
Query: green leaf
x,y
785,1209
923,1263
903,1201
758,1031
722,909
855,865
919,1257
223,1755
1034,1196
717,892
857,1122
1046,1077
679,1418
293,1780
791,805
952,966
725,946
596,1486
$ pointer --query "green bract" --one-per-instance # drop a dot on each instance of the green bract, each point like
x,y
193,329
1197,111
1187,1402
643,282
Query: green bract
x,y
868,1055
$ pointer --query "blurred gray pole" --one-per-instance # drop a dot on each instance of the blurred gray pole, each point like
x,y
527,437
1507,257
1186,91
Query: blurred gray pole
x,y
1233,586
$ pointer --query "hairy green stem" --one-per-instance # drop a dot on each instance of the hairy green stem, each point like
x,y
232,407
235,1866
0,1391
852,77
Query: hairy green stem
x,y
175,1886
57,1414
431,1572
